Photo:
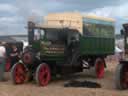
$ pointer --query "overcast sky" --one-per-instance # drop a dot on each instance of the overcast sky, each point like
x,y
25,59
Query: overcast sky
x,y
14,13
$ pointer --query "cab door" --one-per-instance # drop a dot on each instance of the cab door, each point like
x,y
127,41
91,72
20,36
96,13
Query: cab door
x,y
36,40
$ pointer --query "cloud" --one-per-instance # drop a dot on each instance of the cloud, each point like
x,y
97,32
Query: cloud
x,y
80,5
10,20
122,10
8,8
105,11
112,11
118,12
11,25
14,15
47,6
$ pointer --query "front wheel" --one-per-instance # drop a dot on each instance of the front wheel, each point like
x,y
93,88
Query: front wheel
x,y
121,76
18,73
43,74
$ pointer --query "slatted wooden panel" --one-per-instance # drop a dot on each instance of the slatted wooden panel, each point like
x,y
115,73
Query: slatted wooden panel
x,y
73,20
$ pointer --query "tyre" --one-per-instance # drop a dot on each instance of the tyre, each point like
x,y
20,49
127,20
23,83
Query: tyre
x,y
121,76
43,75
18,73
99,68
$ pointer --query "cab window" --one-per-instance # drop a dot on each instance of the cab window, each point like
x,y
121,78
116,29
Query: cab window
x,y
36,34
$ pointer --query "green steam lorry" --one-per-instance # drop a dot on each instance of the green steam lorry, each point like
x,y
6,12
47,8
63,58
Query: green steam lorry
x,y
65,43
121,76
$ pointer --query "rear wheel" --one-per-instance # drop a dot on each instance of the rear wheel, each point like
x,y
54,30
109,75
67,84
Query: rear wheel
x,y
121,76
18,73
99,68
43,75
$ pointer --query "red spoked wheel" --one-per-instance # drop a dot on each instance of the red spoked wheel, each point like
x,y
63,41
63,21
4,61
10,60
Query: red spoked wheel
x,y
8,65
43,75
99,68
18,73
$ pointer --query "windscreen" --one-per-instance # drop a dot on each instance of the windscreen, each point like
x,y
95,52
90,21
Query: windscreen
x,y
55,35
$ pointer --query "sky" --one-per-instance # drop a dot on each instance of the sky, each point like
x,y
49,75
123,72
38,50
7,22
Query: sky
x,y
15,13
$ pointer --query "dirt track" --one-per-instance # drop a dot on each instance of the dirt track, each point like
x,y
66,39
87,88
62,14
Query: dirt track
x,y
55,88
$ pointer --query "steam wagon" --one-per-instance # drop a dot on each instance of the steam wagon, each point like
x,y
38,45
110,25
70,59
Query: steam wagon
x,y
65,43
121,76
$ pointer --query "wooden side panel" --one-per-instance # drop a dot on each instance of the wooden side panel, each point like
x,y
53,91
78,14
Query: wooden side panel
x,y
96,46
70,20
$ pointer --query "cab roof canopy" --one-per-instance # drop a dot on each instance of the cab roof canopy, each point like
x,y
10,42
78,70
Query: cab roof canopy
x,y
46,26
99,18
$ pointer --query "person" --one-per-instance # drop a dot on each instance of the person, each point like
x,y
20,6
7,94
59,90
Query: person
x,y
119,53
8,61
14,55
2,61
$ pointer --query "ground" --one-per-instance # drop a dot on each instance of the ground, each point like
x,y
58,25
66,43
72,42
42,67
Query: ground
x,y
56,87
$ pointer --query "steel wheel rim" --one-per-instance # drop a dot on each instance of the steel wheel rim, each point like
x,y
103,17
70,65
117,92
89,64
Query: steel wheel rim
x,y
19,73
44,75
